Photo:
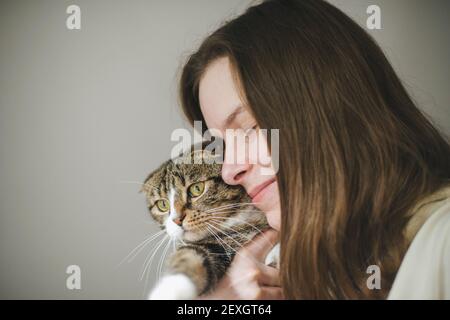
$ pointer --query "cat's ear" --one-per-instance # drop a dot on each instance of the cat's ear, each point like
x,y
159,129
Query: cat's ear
x,y
143,187
146,182
154,175
146,185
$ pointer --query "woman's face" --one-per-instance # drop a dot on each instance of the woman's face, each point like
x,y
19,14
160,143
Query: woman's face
x,y
223,109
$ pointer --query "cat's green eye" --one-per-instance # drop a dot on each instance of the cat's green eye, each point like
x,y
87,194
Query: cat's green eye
x,y
163,205
196,189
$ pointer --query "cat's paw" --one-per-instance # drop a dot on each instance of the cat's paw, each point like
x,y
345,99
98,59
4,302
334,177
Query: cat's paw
x,y
273,257
174,287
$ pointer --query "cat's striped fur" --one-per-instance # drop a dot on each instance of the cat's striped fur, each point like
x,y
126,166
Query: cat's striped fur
x,y
214,225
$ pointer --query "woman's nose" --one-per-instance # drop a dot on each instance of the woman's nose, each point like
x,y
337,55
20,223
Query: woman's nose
x,y
235,165
234,174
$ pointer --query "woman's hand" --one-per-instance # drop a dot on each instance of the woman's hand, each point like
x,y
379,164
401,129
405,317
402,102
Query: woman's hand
x,y
248,278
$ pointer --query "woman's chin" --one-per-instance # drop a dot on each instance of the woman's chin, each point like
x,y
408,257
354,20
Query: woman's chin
x,y
270,205
273,218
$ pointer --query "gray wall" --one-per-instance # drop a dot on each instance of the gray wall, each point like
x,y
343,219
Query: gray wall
x,y
82,112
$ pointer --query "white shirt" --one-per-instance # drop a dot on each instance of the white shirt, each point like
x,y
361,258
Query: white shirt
x,y
425,270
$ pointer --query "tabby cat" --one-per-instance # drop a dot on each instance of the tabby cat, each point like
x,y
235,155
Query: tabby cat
x,y
208,219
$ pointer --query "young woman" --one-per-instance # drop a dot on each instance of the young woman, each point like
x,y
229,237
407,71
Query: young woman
x,y
363,175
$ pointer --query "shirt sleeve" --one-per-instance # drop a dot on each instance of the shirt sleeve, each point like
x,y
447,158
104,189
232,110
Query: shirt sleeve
x,y
425,270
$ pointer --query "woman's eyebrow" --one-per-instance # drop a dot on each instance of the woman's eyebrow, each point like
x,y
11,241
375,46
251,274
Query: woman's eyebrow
x,y
229,120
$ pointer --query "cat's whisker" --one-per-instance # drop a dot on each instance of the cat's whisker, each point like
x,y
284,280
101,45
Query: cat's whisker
x,y
229,206
220,241
210,232
242,235
146,271
142,184
235,251
140,247
232,205
205,228
157,275
149,259
243,221
163,258
216,223
235,218
233,211
226,234
150,255
131,181
182,241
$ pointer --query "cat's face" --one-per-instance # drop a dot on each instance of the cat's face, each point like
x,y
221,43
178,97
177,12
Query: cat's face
x,y
191,200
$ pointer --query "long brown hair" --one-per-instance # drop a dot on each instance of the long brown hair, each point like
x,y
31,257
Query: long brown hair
x,y
355,153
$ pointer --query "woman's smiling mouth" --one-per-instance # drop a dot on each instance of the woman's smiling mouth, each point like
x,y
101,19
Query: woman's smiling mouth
x,y
258,192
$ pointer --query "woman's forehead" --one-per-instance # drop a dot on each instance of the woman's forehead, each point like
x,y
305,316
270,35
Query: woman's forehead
x,y
218,94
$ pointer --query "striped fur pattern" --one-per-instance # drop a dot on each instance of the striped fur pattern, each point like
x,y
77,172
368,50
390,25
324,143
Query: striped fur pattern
x,y
213,225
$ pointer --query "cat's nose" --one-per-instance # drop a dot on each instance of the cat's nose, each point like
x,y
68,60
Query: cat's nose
x,y
179,219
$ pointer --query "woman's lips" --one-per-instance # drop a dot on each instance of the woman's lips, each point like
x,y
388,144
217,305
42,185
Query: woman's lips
x,y
257,192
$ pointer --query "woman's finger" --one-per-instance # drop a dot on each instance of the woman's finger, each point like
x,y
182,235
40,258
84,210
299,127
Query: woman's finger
x,y
271,293
261,245
269,277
